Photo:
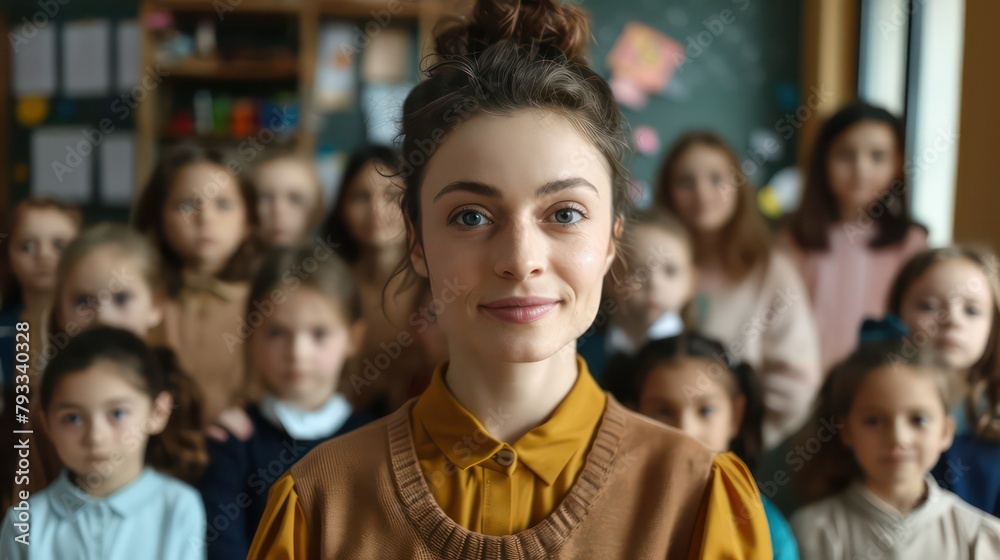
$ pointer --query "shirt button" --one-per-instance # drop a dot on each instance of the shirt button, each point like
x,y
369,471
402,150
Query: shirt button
x,y
504,457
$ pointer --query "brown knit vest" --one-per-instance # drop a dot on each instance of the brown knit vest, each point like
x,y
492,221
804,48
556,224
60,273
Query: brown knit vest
x,y
638,496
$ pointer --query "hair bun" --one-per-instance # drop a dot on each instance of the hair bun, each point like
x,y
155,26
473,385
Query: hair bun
x,y
535,23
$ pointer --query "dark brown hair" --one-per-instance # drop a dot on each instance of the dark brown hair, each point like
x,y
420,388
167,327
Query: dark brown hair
x,y
746,240
509,56
362,160
737,377
984,376
833,467
10,287
148,216
810,224
180,449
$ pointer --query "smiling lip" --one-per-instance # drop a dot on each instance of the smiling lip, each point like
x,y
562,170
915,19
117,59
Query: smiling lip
x,y
520,310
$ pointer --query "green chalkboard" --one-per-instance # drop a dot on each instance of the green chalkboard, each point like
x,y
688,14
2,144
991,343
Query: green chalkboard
x,y
739,78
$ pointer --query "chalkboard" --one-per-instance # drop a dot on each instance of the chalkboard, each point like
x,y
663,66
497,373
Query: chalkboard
x,y
739,77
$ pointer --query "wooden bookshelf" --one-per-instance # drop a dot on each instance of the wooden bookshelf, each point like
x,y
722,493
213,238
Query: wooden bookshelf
x,y
298,69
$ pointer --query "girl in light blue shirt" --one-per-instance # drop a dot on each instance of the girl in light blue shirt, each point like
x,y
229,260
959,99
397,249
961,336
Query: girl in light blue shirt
x,y
107,404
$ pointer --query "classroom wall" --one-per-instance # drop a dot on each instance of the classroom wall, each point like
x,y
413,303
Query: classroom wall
x,y
742,79
977,198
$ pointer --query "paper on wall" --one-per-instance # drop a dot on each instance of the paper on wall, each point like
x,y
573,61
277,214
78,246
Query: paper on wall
x,y
60,163
33,53
86,58
117,169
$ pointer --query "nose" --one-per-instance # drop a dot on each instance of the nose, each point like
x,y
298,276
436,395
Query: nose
x,y
521,251
47,251
687,423
900,432
106,313
97,433
299,347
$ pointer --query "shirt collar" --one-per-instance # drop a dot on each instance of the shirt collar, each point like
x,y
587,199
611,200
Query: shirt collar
x,y
226,291
888,514
669,324
546,449
67,499
307,424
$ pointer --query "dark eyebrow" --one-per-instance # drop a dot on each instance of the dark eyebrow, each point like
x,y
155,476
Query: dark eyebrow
x,y
562,184
474,187
491,191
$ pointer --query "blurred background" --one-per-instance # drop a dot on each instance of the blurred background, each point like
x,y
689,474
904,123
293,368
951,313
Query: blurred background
x,y
93,90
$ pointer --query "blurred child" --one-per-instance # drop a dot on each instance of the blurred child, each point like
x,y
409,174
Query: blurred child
x,y
108,407
649,294
366,225
110,276
691,383
201,218
289,198
298,352
853,230
40,228
750,296
887,407
950,299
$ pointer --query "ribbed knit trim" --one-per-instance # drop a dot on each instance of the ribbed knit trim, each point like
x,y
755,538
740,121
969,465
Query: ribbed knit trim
x,y
446,537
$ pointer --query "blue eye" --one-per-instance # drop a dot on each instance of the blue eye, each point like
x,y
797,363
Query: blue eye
x,y
74,419
706,411
119,413
568,216
320,334
122,298
471,218
920,420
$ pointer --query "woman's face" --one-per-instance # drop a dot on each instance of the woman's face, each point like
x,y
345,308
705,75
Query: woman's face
x,y
371,212
704,188
517,235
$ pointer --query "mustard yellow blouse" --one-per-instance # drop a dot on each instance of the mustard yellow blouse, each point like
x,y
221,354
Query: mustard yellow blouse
x,y
495,488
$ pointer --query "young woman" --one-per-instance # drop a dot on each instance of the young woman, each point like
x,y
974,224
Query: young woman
x,y
513,451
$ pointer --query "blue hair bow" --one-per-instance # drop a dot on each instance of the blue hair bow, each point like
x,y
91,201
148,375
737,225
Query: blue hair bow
x,y
883,329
